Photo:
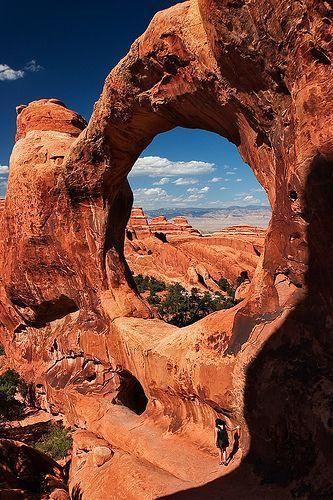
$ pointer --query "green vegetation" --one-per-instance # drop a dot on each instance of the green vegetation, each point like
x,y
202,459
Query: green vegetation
x,y
149,284
226,287
178,306
10,385
182,308
56,442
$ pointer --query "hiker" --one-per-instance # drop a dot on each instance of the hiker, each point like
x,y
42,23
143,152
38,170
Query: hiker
x,y
222,438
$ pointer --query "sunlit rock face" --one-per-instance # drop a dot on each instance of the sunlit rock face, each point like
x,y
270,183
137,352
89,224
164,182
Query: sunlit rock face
x,y
258,73
175,252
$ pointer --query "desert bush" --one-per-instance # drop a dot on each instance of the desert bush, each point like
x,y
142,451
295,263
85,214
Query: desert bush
x,y
10,384
180,307
56,442
149,284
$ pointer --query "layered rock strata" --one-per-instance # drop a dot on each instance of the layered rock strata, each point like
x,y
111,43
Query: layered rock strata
x,y
173,251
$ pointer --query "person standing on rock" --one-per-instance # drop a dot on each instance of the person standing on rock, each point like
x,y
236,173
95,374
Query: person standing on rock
x,y
222,438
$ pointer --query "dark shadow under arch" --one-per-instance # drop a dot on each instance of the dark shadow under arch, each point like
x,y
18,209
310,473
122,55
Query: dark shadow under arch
x,y
288,394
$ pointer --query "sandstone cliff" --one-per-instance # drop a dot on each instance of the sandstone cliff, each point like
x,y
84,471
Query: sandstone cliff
x,y
258,73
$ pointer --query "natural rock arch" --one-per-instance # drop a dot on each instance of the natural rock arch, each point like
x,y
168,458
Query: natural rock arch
x,y
258,74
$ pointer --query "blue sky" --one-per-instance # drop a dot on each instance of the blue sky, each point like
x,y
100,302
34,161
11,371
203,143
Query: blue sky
x,y
65,51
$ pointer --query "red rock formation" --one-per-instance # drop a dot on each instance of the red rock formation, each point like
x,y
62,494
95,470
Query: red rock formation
x,y
138,223
258,73
175,252
142,227
26,472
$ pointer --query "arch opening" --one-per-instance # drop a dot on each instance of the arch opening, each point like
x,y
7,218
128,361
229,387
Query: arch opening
x,y
131,393
192,187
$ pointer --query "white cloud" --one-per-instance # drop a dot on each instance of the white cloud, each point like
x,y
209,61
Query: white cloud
x,y
239,180
249,198
223,188
4,169
230,173
185,182
259,190
9,74
215,179
198,190
162,182
151,193
154,197
155,166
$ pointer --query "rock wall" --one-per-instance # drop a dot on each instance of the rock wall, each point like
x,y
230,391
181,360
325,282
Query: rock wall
x,y
258,73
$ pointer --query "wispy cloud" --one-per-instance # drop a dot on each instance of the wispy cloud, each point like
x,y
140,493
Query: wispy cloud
x,y
184,182
239,180
155,166
162,181
205,189
215,179
4,169
156,196
9,74
33,66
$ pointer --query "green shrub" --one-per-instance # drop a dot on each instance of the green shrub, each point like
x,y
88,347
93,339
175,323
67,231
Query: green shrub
x,y
56,442
224,284
10,384
153,299
149,284
180,307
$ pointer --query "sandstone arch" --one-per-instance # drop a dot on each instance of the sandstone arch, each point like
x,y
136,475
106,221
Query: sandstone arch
x,y
257,73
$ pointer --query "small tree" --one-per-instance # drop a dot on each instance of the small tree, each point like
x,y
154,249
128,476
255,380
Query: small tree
x,y
10,384
56,442
224,284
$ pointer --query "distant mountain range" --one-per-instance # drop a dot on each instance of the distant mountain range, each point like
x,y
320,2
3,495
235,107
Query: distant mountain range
x,y
213,219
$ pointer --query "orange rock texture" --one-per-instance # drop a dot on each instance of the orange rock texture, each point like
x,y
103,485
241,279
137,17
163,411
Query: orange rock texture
x,y
258,73
173,251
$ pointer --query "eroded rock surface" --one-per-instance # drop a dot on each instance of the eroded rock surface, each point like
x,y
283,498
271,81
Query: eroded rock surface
x,y
173,251
258,73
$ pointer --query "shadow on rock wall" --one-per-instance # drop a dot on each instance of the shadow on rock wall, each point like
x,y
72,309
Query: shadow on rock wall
x,y
288,396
